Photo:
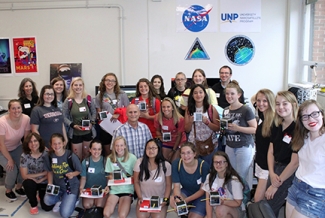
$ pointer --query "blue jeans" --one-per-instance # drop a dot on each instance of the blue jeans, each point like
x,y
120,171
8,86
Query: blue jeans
x,y
199,205
68,202
241,159
307,200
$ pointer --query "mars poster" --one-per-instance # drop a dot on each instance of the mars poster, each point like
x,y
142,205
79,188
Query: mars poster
x,y
25,55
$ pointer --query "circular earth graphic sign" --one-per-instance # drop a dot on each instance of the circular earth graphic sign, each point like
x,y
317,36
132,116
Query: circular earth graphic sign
x,y
240,50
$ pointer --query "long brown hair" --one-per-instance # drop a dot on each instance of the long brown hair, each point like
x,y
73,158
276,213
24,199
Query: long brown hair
x,y
64,92
26,148
152,92
205,83
301,132
102,88
21,92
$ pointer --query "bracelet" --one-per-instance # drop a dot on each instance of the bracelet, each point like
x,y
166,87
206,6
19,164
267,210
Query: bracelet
x,y
177,197
166,200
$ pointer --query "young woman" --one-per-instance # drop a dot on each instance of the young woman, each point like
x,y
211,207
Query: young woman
x,y
158,83
169,126
152,177
123,195
77,108
177,91
13,126
265,105
93,173
282,162
109,98
32,171
60,90
242,124
198,77
204,128
46,118
146,95
62,172
306,197
188,176
28,95
221,176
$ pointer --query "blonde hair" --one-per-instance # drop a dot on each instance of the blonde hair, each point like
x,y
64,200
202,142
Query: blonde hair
x,y
176,114
113,156
71,92
292,100
269,113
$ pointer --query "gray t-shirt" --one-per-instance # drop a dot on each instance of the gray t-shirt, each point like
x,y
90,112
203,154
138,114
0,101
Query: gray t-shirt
x,y
49,120
110,102
240,118
33,165
60,167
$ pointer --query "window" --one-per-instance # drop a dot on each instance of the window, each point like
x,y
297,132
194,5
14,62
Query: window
x,y
314,41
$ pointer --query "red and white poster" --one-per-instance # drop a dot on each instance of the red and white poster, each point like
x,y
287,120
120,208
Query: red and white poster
x,y
25,57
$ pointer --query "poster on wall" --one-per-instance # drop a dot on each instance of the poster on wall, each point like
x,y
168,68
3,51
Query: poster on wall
x,y
5,61
239,50
240,16
67,71
197,51
196,16
25,55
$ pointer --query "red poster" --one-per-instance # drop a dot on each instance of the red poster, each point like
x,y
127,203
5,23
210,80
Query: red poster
x,y
25,55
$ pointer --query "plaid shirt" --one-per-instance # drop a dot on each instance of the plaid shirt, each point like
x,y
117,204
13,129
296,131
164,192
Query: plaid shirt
x,y
136,138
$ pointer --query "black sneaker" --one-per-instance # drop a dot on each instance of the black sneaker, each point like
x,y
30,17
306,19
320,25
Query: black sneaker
x,y
11,196
21,192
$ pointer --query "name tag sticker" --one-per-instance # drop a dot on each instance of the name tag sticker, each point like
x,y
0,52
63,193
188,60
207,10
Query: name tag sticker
x,y
159,179
218,95
91,170
27,105
82,109
164,127
54,160
287,139
199,181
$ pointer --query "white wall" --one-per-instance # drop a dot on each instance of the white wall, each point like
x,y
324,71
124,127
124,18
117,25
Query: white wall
x,y
151,45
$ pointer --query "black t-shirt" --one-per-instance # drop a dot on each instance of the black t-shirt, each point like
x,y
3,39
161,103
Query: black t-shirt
x,y
282,150
28,105
175,94
262,145
221,97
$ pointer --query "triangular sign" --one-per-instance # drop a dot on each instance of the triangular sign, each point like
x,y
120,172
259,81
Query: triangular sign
x,y
197,51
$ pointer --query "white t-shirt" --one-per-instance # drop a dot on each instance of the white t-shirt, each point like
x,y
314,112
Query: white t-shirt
x,y
237,188
311,168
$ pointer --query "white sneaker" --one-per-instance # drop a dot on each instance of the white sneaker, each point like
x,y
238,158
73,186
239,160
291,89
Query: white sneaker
x,y
56,207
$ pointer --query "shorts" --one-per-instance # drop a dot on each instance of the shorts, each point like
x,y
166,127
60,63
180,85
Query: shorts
x,y
260,173
124,194
199,205
76,139
105,137
167,146
307,200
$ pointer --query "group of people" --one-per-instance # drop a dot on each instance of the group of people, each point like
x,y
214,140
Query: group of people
x,y
164,141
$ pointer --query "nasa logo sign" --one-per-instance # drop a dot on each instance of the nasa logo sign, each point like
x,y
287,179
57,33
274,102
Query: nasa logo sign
x,y
196,18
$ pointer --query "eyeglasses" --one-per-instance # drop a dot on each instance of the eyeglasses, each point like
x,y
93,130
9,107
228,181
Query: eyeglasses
x,y
49,94
151,149
314,114
110,81
186,153
222,162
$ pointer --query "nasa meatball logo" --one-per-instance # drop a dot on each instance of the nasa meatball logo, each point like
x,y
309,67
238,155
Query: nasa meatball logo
x,y
196,18
240,50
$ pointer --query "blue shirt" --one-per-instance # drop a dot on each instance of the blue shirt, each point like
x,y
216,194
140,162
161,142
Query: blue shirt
x,y
190,182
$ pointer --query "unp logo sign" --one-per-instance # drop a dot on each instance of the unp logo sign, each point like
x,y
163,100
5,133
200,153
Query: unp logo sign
x,y
196,18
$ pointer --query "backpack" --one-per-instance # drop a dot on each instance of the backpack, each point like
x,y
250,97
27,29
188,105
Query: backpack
x,y
70,162
136,101
179,166
70,101
246,191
